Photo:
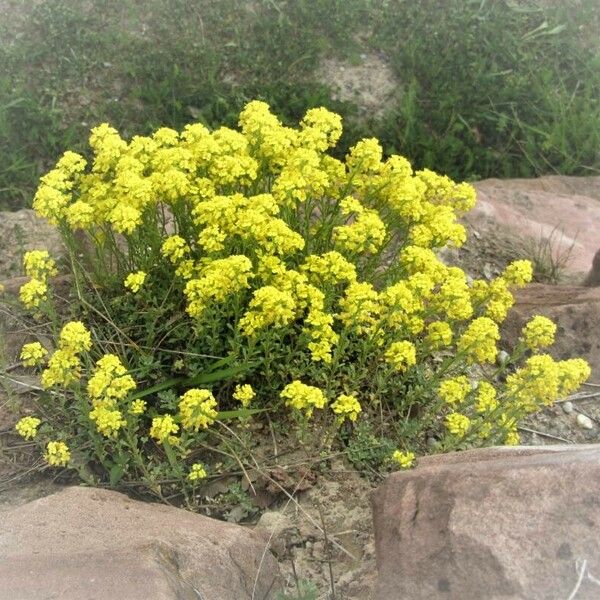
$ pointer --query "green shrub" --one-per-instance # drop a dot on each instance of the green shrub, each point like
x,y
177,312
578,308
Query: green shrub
x,y
225,280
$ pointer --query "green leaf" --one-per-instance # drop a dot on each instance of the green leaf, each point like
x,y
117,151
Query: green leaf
x,y
227,415
202,379
116,474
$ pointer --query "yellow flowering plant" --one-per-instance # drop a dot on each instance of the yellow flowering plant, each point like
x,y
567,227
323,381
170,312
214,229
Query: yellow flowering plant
x,y
232,274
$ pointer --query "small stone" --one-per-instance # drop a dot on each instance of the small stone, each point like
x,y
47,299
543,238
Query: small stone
x,y
502,357
568,408
584,422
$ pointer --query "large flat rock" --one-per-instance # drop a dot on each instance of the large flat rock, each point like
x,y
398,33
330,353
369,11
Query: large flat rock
x,y
493,524
87,544
565,210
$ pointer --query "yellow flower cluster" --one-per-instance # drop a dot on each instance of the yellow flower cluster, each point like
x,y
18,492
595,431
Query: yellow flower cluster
x,y
27,427
455,389
38,266
108,420
33,354
109,381
267,240
458,424
346,406
163,428
75,338
300,396
219,279
244,394
197,409
404,459
64,366
401,355
268,307
57,454
478,342
33,293
539,333
137,407
134,281
197,472
108,384
542,380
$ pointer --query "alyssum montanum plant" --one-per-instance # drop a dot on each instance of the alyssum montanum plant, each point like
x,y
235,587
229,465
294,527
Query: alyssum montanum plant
x,y
231,277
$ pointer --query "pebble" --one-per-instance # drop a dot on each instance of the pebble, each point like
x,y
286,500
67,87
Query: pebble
x,y
584,422
568,408
502,357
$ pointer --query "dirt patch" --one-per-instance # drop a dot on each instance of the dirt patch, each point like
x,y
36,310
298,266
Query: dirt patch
x,y
370,84
325,536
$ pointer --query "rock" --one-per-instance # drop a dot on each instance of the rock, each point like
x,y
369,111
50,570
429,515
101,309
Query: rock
x,y
593,277
21,231
558,208
567,407
584,422
96,544
498,523
575,310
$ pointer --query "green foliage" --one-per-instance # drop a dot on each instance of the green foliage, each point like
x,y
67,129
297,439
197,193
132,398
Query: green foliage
x,y
489,87
366,450
494,88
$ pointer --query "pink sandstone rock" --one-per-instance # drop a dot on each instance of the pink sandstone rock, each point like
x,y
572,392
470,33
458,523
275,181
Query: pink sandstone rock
x,y
88,544
567,209
492,524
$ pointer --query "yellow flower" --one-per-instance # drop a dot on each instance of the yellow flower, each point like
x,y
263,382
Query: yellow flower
x,y
404,459
347,406
138,407
57,454
109,380
27,427
244,393
360,306
486,397
134,281
175,248
439,334
163,427
63,368
197,472
268,307
539,332
300,396
108,420
74,338
33,354
39,265
458,424
33,293
478,342
512,438
518,273
572,373
454,390
197,409
401,355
